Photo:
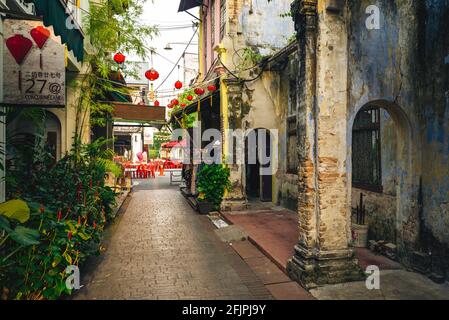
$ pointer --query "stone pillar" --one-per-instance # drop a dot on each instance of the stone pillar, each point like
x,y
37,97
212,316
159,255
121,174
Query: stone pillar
x,y
235,199
322,254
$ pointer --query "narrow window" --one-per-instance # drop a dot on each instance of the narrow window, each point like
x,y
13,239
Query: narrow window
x,y
292,147
366,158
222,18
212,23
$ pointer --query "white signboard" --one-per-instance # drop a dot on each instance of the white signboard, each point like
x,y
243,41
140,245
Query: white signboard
x,y
147,136
33,65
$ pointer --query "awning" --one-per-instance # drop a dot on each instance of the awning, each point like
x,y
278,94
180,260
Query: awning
x,y
54,13
193,107
185,5
137,113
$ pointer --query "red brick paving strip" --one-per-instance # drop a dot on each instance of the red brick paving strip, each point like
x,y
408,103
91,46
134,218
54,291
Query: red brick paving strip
x,y
280,286
275,233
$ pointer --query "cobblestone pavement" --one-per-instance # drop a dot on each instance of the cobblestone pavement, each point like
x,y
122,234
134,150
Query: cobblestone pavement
x,y
159,248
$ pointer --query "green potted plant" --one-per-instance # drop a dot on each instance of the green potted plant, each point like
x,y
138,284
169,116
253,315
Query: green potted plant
x,y
213,181
204,206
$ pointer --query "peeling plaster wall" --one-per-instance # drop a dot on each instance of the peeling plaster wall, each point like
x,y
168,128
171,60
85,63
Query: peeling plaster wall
x,y
267,103
404,67
262,25
258,25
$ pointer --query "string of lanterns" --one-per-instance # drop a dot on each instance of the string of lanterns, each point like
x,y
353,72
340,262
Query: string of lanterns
x,y
153,75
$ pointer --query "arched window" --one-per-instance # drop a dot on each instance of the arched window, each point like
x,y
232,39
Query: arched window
x,y
366,157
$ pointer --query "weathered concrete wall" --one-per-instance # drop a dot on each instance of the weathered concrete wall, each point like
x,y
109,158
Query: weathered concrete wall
x,y
263,27
388,153
286,181
257,25
381,214
404,66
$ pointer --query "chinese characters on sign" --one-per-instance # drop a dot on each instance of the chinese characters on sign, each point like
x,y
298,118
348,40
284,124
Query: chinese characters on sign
x,y
33,65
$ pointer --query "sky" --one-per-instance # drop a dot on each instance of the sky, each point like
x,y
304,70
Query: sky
x,y
165,14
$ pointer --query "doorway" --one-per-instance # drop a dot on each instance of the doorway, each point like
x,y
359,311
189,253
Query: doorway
x,y
258,181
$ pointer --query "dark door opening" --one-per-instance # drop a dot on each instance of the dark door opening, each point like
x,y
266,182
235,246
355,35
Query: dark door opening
x,y
258,186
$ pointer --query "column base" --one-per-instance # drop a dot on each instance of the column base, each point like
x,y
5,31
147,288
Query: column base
x,y
234,204
315,269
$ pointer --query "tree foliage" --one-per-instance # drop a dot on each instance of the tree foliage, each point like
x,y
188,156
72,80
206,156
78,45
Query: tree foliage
x,y
112,26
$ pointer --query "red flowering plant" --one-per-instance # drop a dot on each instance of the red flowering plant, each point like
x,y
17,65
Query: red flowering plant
x,y
69,207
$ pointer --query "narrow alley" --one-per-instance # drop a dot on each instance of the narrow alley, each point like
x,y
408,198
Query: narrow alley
x,y
224,150
159,248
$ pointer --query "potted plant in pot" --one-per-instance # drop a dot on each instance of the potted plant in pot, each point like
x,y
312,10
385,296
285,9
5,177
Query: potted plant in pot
x,y
204,206
213,181
360,228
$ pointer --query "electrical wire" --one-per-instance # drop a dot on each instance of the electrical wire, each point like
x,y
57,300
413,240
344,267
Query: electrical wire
x,y
177,62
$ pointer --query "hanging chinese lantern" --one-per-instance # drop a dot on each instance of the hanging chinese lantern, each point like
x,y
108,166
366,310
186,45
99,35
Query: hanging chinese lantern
x,y
156,103
183,105
119,58
178,84
175,102
190,97
152,74
211,88
40,36
169,106
19,46
199,92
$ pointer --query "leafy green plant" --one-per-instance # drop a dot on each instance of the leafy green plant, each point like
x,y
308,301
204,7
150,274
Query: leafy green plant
x,y
213,181
69,206
111,26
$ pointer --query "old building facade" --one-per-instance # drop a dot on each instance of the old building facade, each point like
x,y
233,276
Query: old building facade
x,y
368,71
241,46
358,101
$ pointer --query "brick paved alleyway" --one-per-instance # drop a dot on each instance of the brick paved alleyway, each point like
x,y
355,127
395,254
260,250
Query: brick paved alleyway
x,y
159,248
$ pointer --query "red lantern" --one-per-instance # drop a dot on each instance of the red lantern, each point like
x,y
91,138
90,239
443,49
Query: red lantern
x,y
40,35
190,97
178,84
119,58
175,102
199,91
152,74
211,88
19,46
156,103
169,106
183,105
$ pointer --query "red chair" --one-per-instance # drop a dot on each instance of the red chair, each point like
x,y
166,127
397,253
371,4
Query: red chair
x,y
152,170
